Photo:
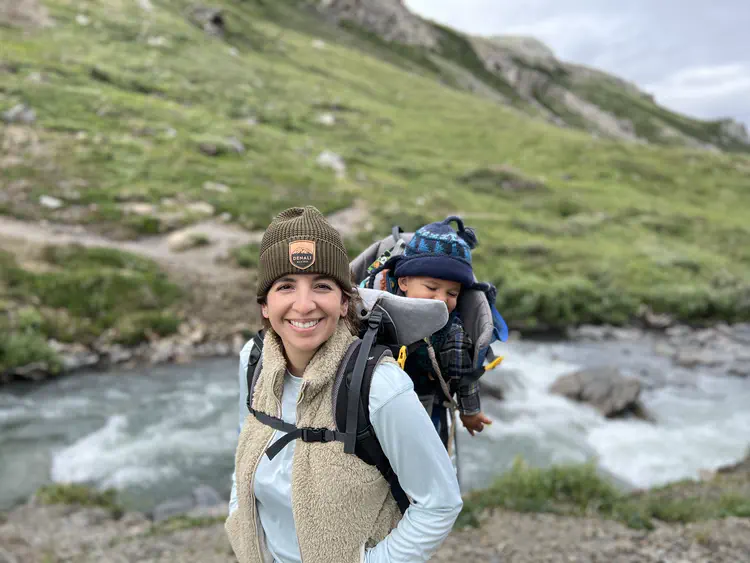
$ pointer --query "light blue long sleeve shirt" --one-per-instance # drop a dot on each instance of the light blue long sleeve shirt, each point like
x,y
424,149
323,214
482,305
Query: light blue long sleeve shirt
x,y
412,446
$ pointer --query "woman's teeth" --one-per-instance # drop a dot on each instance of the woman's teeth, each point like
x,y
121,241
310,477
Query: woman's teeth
x,y
308,324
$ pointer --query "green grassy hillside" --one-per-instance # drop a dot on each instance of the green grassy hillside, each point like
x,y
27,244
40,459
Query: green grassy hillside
x,y
137,106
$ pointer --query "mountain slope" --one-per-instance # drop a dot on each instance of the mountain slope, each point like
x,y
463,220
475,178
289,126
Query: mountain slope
x,y
527,75
134,118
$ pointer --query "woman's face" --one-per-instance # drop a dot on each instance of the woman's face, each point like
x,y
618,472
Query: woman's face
x,y
304,311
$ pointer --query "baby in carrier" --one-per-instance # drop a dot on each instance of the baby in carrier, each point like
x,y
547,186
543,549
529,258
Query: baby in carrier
x,y
436,264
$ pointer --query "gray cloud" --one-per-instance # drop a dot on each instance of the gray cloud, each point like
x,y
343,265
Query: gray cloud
x,y
693,55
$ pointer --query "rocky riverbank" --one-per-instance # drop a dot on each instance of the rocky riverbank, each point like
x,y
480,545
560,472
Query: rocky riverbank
x,y
192,341
40,533
723,347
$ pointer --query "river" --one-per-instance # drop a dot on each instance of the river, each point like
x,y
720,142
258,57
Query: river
x,y
155,433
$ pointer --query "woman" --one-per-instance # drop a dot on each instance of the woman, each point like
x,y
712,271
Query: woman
x,y
312,502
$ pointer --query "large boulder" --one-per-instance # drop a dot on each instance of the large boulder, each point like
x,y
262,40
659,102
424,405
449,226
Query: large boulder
x,y
605,389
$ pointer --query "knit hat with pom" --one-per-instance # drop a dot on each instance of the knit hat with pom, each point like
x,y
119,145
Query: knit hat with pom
x,y
438,251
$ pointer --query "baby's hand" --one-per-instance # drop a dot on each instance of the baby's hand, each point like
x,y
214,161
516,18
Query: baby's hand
x,y
475,422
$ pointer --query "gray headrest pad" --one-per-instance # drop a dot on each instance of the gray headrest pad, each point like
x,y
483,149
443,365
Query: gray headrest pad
x,y
414,319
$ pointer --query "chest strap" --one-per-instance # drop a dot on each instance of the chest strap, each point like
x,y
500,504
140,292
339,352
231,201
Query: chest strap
x,y
293,433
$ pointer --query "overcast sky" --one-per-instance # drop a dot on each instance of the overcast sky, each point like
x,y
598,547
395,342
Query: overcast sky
x,y
693,55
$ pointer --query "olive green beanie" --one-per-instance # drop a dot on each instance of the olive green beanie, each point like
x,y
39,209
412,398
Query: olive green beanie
x,y
301,241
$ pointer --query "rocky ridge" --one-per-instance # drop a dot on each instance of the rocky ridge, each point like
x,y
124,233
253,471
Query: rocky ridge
x,y
558,91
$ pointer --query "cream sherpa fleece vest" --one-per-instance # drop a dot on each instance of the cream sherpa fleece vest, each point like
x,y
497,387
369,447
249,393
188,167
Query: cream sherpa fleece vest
x,y
340,503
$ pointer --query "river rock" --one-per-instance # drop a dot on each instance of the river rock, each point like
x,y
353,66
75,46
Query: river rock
x,y
172,507
605,388
161,351
678,331
590,332
740,369
35,371
655,320
77,357
204,501
739,332
206,496
692,357
117,354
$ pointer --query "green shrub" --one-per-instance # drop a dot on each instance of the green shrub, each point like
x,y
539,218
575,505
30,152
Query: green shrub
x,y
18,349
79,495
579,490
134,328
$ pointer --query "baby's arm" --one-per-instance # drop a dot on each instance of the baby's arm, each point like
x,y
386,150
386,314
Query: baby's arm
x,y
456,360
456,357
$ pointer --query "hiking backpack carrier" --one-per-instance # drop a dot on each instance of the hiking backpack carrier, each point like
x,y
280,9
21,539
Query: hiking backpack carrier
x,y
476,305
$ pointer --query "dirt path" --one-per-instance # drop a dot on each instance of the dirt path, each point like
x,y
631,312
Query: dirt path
x,y
220,294
217,293
207,261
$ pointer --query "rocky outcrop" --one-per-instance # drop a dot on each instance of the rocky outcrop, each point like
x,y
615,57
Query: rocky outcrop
x,y
531,68
24,13
210,19
390,19
606,389
565,94
732,131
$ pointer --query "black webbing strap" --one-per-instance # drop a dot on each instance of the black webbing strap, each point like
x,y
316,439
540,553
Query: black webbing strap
x,y
398,493
292,433
352,413
389,475
256,354
396,233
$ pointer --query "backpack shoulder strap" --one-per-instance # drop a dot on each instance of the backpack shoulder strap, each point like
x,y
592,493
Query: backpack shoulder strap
x,y
254,366
367,447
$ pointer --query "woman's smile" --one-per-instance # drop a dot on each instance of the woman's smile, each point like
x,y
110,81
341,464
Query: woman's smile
x,y
304,325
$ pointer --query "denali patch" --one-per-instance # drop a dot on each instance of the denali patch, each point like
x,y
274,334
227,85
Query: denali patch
x,y
302,254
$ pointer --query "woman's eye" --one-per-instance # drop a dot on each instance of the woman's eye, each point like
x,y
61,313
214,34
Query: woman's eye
x,y
283,286
431,288
323,286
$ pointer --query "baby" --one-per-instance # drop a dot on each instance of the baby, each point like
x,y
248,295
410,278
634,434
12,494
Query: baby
x,y
436,264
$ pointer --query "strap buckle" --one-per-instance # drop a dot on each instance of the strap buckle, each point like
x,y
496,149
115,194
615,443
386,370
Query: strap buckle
x,y
316,435
376,317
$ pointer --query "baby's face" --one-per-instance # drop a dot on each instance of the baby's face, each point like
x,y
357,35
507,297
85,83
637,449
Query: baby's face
x,y
431,288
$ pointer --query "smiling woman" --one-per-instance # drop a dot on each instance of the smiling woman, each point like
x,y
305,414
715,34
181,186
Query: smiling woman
x,y
302,489
304,311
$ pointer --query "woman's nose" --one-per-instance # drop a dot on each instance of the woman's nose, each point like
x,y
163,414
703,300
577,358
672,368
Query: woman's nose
x,y
304,302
